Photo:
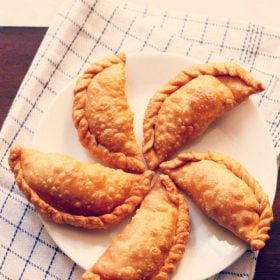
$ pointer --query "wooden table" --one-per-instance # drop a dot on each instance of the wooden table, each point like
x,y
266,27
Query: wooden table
x,y
18,46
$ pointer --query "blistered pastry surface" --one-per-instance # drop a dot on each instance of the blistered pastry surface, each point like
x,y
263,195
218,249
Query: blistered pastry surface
x,y
226,192
102,115
81,194
152,243
184,108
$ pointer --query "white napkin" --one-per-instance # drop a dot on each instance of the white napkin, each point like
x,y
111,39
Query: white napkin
x,y
83,32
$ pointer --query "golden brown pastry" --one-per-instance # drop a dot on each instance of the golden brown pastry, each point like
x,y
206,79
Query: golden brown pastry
x,y
185,107
80,194
226,192
102,116
152,243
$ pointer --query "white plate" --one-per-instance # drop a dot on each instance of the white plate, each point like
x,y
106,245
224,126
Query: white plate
x,y
240,133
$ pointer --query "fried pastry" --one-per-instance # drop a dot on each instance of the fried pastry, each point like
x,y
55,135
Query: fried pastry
x,y
185,107
80,194
226,192
103,118
153,242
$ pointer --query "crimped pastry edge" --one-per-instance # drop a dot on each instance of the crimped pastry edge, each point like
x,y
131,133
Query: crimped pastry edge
x,y
87,139
181,79
265,211
104,221
180,239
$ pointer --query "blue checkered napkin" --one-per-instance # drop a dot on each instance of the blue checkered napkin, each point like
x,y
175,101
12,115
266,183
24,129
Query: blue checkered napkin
x,y
82,32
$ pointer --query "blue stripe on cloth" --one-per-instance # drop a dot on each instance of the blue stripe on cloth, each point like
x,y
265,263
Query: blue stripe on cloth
x,y
247,46
181,18
27,261
275,124
257,47
89,35
235,273
13,118
54,36
4,167
163,19
99,38
125,34
56,66
262,72
17,199
252,48
51,263
121,29
224,36
254,258
184,25
5,276
268,88
168,42
147,38
277,139
214,44
209,57
30,103
14,237
269,55
4,140
7,197
145,11
275,36
189,49
44,85
204,31
243,48
71,271
28,233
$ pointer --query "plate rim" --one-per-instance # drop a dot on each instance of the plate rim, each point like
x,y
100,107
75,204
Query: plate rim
x,y
48,223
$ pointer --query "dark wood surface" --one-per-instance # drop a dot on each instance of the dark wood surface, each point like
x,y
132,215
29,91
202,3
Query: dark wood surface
x,y
18,46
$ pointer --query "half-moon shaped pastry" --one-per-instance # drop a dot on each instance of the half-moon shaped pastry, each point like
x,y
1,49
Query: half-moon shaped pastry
x,y
226,192
103,118
185,107
80,194
153,242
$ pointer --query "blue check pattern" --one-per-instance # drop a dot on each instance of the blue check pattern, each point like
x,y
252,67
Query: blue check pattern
x,y
82,32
